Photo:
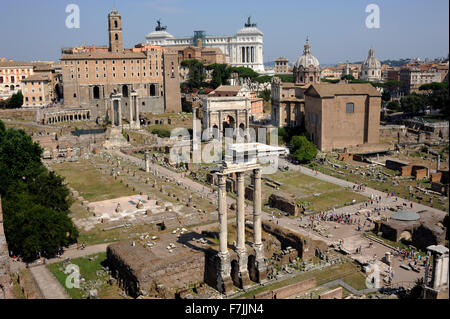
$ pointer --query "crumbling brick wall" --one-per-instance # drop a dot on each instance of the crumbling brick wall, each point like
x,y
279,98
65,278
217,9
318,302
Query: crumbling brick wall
x,y
332,294
289,291
140,271
284,204
305,246
345,157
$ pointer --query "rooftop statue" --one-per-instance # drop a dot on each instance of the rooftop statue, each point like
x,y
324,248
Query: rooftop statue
x,y
249,24
159,27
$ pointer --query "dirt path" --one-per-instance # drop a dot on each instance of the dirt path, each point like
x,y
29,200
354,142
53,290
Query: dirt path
x,y
48,284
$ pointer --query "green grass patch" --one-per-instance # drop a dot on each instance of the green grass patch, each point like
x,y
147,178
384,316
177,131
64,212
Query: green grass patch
x,y
88,269
90,183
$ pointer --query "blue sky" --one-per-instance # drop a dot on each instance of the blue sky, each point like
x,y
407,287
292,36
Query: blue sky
x,y
35,29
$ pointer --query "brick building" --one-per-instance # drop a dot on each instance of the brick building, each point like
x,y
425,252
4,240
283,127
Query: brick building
x,y
412,78
342,115
91,74
11,75
282,66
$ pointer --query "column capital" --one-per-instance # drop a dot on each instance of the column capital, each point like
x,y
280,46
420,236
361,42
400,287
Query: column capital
x,y
257,173
240,176
221,179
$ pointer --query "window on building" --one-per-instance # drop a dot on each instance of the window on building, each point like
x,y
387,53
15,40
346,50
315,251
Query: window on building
x,y
13,79
74,95
350,108
1,79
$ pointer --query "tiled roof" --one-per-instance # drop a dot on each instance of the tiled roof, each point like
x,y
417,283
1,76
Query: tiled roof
x,y
330,90
104,55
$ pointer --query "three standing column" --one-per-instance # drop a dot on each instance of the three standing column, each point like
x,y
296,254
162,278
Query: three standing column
x,y
224,282
261,265
240,225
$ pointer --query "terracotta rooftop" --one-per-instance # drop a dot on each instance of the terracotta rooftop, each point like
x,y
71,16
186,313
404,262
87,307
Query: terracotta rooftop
x,y
37,77
330,90
104,55
10,64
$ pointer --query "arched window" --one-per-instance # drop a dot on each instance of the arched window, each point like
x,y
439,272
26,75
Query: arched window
x,y
116,36
152,90
96,92
125,91
115,24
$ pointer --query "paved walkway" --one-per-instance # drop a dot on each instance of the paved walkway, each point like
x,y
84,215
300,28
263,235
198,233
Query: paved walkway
x,y
48,284
71,252
367,191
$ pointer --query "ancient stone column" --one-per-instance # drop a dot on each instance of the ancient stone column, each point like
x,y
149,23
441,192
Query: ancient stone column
x,y
131,111
261,266
147,162
240,216
240,229
222,201
437,268
224,282
438,163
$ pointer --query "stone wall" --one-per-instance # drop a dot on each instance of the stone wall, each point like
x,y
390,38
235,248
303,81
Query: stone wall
x,y
306,247
19,114
141,272
290,291
6,291
332,294
284,204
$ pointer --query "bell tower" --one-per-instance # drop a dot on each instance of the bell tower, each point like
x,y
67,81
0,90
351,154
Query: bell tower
x,y
115,31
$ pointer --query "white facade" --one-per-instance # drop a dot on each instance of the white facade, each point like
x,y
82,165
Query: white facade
x,y
245,48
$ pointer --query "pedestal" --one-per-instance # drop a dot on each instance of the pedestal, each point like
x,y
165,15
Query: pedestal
x,y
224,281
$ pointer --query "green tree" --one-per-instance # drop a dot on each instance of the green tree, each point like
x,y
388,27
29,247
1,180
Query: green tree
x,y
265,94
16,100
196,72
247,74
413,104
386,96
220,76
394,106
35,201
303,150
20,157
437,96
348,77
286,78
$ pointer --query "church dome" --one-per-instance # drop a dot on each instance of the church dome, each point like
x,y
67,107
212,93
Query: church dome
x,y
307,60
371,62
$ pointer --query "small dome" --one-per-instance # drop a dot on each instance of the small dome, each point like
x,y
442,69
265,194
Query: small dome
x,y
371,62
307,60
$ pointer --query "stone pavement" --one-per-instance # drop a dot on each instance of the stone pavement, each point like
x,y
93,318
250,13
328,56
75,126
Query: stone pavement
x,y
71,252
48,284
367,192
